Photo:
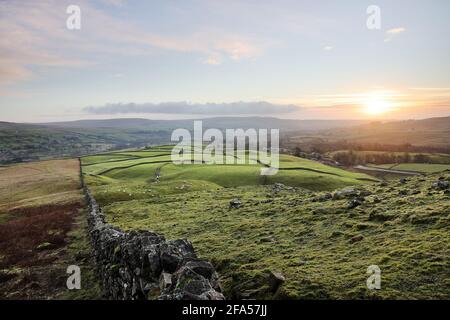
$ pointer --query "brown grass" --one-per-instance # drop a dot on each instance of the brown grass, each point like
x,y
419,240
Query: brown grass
x,y
38,181
20,237
39,205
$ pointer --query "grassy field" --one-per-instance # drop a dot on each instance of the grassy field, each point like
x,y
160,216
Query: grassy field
x,y
322,248
294,171
42,231
416,167
427,158
438,158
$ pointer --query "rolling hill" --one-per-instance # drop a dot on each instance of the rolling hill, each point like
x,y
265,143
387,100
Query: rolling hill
x,y
27,142
299,223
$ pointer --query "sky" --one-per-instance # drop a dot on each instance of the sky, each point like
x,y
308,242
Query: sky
x,y
195,58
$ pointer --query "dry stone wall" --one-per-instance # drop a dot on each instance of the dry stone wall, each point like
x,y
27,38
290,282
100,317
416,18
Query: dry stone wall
x,y
144,265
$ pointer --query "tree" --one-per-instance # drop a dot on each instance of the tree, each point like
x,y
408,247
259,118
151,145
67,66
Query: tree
x,y
406,157
421,158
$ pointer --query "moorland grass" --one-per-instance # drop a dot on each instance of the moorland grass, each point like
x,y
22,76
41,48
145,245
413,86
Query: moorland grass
x,y
322,248
40,215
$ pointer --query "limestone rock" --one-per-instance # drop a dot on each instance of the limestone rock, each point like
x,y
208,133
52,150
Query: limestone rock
x,y
275,280
235,204
344,193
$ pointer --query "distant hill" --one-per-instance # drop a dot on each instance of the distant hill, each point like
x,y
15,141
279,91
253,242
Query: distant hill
x,y
217,122
432,132
28,142
24,142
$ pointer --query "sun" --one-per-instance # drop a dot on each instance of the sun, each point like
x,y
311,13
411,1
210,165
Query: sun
x,y
377,104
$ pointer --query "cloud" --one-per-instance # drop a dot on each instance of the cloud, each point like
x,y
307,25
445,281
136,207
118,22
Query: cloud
x,y
396,30
11,72
432,89
233,108
391,33
328,48
213,59
33,34
237,48
116,3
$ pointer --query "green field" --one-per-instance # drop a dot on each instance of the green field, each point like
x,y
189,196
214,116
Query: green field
x,y
142,166
438,158
322,248
416,167
432,158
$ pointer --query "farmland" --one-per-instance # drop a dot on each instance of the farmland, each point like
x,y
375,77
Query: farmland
x,y
141,167
416,167
436,158
288,223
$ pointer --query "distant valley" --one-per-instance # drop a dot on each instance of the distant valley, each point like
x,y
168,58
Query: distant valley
x,y
27,142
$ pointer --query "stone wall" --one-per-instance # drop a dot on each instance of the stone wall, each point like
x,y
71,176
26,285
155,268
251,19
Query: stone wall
x,y
144,265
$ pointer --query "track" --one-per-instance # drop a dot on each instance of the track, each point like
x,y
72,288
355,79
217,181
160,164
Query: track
x,y
409,173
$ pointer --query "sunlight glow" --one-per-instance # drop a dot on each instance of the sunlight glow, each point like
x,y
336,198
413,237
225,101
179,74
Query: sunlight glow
x,y
377,104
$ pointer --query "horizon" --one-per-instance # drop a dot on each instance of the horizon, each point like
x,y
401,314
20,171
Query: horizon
x,y
227,117
193,60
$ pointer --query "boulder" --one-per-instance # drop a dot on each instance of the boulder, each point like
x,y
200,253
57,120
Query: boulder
x,y
235,204
355,202
440,185
277,187
275,279
344,193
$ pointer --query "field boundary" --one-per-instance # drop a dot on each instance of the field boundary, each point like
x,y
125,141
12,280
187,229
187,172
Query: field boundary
x,y
412,173
125,159
144,265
